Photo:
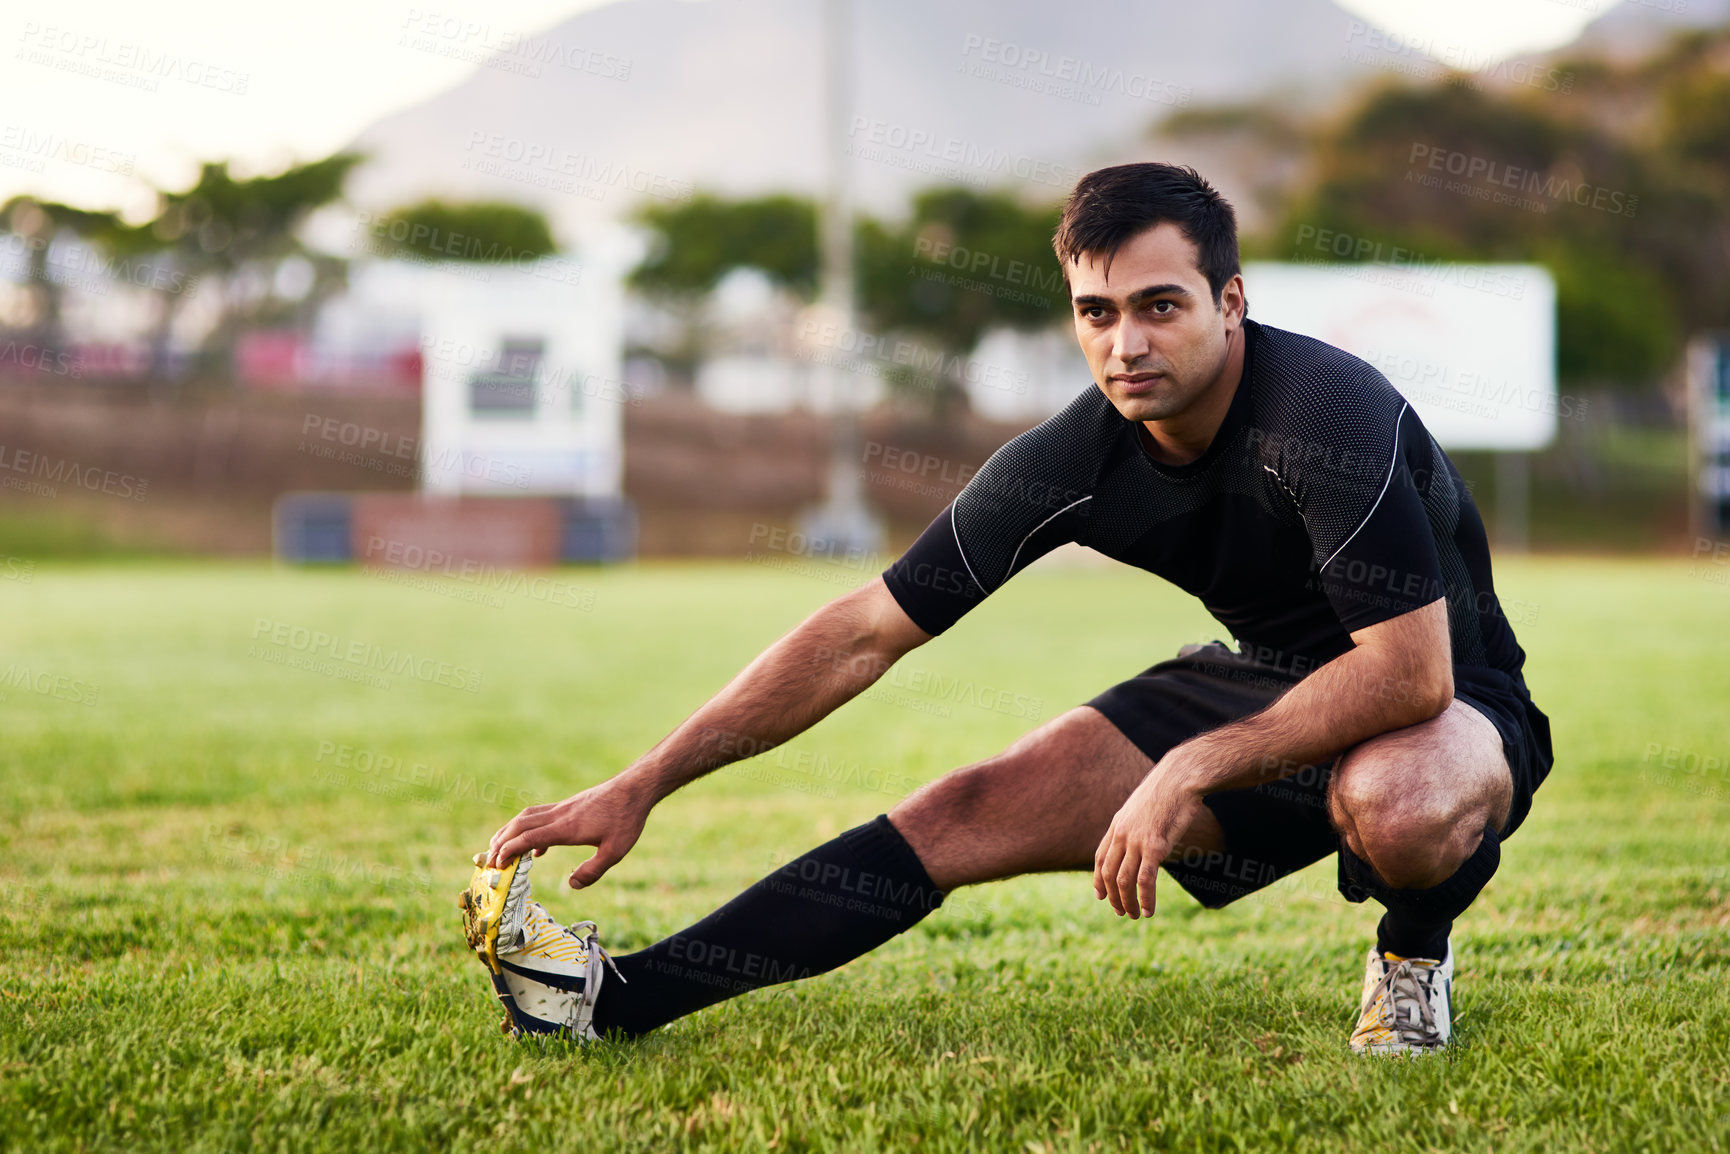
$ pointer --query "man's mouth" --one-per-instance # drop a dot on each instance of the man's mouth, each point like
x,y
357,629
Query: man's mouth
x,y
1134,383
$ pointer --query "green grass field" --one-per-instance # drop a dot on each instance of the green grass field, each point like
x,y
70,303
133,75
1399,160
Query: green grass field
x,y
232,921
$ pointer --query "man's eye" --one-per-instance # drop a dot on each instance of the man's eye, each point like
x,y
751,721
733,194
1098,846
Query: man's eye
x,y
1164,307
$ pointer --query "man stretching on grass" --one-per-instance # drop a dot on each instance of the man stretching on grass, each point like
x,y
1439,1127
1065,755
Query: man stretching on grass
x,y
1375,708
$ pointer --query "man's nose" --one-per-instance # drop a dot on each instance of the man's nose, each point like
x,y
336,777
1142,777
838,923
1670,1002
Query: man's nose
x,y
1129,342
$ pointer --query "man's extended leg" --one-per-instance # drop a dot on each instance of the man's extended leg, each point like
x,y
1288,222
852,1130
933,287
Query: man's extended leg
x,y
1042,804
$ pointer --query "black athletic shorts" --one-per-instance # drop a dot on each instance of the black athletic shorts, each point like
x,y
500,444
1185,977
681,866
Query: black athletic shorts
x,y
1282,826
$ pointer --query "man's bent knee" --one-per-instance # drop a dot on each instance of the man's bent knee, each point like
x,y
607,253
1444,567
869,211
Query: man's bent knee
x,y
1414,803
1413,839
1410,853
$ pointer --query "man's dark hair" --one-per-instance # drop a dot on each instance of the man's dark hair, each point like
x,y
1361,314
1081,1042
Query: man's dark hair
x,y
1111,205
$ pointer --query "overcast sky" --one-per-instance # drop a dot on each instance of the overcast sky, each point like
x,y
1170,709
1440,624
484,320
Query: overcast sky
x,y
99,97
1500,27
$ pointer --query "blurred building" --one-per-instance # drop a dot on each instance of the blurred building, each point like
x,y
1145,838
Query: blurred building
x,y
1709,436
520,457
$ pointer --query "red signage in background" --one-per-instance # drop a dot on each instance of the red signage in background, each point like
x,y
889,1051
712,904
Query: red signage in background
x,y
270,359
283,360
454,537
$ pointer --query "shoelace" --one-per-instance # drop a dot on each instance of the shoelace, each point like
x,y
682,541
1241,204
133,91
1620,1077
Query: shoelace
x,y
589,933
1404,984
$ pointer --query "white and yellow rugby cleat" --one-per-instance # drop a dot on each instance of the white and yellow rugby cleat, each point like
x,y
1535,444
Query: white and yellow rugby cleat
x,y
1407,1005
493,907
546,975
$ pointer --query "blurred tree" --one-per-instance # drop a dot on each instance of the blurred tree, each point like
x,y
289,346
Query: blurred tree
x,y
37,224
240,238
963,263
698,242
476,231
1398,130
1692,140
1693,75
695,243
1621,191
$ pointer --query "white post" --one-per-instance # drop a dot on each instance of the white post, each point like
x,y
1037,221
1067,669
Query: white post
x,y
1513,501
844,522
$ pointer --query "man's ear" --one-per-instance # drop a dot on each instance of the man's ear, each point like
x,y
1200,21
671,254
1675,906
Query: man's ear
x,y
1233,301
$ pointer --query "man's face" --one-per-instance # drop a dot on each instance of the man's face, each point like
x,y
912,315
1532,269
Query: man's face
x,y
1151,332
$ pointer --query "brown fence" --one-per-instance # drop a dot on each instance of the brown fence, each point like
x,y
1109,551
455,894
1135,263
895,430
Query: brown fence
x,y
199,473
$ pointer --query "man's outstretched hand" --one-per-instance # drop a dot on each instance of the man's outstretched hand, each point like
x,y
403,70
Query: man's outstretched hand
x,y
1126,865
609,816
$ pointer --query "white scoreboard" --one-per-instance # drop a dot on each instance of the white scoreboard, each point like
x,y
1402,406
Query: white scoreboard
x,y
1472,346
522,376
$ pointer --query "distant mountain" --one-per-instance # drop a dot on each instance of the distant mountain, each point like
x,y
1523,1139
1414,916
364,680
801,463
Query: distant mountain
x,y
657,96
1632,27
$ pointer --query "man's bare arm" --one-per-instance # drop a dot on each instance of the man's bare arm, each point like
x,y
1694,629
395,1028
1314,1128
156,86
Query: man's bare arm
x,y
830,658
1399,673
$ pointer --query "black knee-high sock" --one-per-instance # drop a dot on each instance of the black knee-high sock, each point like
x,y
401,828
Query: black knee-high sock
x,y
1417,922
843,899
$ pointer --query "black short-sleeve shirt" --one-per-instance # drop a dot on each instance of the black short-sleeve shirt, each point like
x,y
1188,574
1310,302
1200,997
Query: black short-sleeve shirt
x,y
1321,507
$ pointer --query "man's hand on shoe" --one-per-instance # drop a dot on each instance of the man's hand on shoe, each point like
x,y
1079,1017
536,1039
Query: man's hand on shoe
x,y
609,816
